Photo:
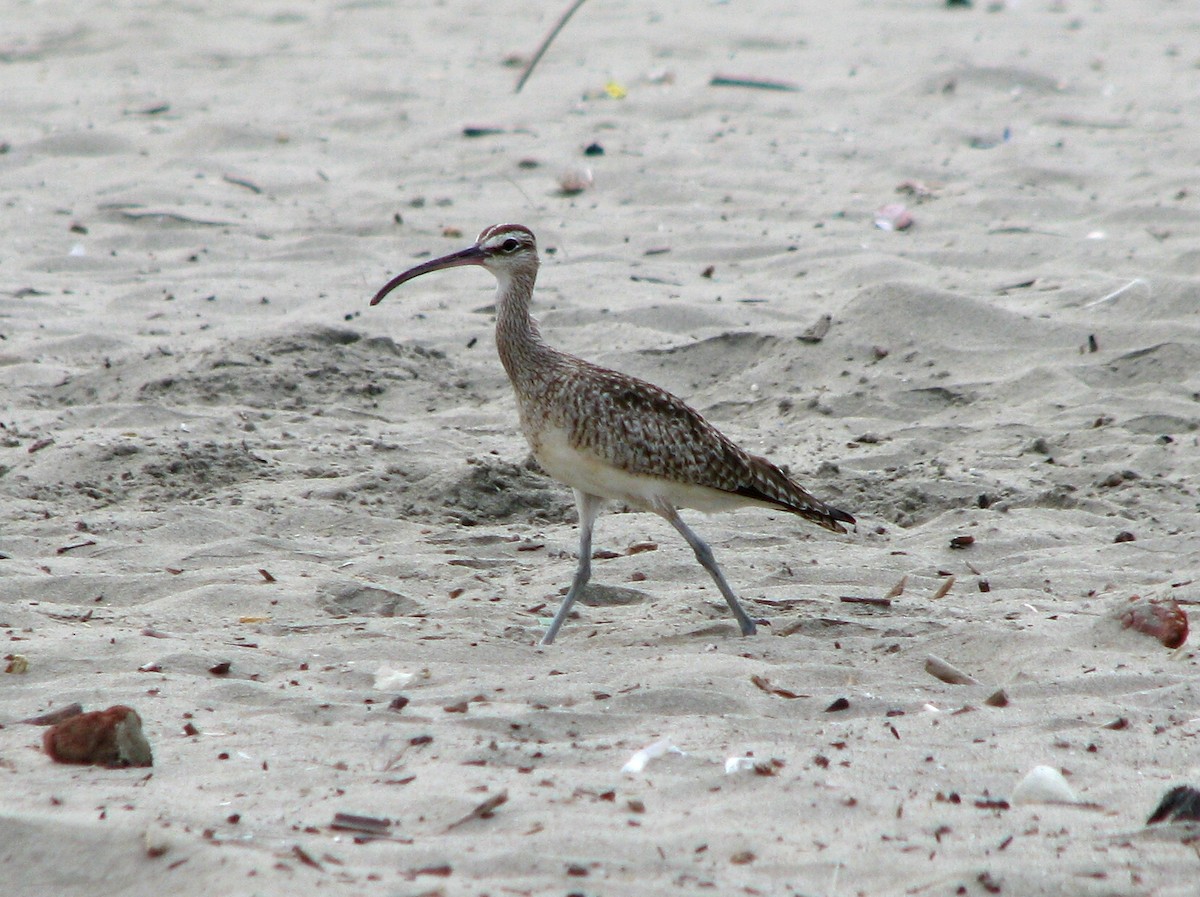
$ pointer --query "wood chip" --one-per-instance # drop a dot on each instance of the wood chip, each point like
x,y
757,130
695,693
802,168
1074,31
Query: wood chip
x,y
441,871
943,589
367,825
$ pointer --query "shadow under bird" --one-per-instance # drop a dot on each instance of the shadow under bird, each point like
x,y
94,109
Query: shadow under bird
x,y
611,436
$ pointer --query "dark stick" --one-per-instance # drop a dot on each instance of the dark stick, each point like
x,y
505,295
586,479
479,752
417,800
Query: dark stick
x,y
874,602
546,43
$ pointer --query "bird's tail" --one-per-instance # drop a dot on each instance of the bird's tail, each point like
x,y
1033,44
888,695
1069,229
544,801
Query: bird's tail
x,y
774,487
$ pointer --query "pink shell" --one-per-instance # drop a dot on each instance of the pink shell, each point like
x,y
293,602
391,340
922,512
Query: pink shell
x,y
893,216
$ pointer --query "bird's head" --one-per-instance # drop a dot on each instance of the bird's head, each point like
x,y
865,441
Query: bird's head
x,y
507,250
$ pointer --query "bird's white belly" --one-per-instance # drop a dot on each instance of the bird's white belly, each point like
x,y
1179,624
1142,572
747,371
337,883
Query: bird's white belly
x,y
582,470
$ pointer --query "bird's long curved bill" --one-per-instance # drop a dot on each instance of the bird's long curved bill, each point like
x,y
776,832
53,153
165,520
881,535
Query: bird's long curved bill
x,y
472,255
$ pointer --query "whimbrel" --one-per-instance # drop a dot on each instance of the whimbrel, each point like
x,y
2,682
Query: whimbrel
x,y
611,436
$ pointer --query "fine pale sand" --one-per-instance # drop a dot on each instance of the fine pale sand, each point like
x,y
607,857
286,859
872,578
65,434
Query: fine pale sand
x,y
213,451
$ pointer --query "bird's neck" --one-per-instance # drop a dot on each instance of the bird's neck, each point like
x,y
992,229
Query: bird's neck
x,y
518,340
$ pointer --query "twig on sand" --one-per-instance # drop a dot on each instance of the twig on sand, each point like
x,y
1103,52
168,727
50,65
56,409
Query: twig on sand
x,y
546,43
370,826
754,83
874,602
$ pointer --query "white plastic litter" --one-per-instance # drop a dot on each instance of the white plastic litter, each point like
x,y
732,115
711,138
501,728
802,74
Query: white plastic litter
x,y
1044,785
738,764
388,679
660,748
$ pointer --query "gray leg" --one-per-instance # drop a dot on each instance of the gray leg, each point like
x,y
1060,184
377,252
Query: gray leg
x,y
705,556
589,507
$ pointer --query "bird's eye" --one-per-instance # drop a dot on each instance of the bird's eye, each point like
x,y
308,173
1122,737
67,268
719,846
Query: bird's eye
x,y
510,245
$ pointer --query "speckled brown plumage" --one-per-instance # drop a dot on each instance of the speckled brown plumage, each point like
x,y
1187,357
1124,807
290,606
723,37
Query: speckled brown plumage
x,y
610,435
637,427
628,423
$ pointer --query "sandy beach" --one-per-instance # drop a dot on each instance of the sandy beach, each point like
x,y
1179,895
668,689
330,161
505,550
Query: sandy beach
x,y
305,539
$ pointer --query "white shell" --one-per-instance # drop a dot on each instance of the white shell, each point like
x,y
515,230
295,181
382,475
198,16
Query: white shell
x,y
1044,785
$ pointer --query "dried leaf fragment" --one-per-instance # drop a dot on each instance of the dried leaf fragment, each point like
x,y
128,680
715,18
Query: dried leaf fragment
x,y
304,856
483,811
765,685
